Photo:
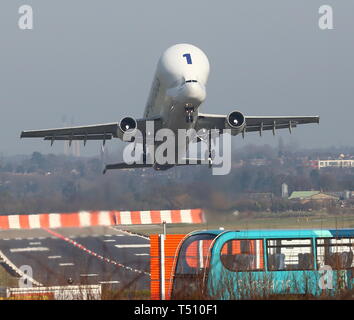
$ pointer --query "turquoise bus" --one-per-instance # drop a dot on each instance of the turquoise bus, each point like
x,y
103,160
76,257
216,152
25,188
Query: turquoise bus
x,y
251,264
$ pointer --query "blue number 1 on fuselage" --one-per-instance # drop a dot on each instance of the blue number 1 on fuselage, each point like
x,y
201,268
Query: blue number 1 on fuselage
x,y
188,58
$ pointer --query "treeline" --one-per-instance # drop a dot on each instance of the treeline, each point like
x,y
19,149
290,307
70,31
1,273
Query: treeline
x,y
57,183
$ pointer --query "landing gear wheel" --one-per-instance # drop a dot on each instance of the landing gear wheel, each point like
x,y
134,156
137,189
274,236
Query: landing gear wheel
x,y
189,118
211,158
210,162
189,114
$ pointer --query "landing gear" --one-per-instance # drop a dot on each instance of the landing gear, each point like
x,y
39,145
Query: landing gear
x,y
189,114
210,162
211,158
206,137
211,152
144,158
144,150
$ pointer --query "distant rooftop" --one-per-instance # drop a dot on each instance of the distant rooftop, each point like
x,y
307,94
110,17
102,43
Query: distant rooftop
x,y
302,194
314,195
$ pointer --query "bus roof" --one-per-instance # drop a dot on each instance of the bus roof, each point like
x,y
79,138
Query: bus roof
x,y
282,233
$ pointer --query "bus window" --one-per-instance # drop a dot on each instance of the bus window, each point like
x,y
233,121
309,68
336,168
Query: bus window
x,y
242,255
192,258
290,254
192,266
335,252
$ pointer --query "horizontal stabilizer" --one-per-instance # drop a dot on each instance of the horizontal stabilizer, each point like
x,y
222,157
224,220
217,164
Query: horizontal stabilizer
x,y
123,165
193,161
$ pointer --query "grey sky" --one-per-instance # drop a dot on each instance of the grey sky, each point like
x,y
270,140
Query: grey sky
x,y
94,61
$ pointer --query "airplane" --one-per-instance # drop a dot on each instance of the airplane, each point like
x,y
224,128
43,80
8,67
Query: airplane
x,y
178,90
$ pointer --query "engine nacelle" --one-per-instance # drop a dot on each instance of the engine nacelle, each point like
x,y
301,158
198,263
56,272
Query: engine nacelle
x,y
127,124
235,121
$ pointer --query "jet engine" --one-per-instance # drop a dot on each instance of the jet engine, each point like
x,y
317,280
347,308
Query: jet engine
x,y
127,123
236,122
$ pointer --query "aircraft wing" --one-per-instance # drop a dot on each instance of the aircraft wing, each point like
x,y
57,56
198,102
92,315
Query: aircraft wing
x,y
254,123
93,132
102,132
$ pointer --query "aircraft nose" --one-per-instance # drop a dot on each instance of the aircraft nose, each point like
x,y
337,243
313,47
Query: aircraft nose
x,y
192,92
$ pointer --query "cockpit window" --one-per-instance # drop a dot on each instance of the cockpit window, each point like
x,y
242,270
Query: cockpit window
x,y
188,81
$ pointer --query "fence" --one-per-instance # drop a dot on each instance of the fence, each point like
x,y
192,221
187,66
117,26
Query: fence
x,y
163,251
99,218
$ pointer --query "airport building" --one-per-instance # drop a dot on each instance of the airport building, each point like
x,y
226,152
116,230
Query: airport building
x,y
339,163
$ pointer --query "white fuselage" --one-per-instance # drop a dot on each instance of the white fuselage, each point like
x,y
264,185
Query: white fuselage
x,y
179,85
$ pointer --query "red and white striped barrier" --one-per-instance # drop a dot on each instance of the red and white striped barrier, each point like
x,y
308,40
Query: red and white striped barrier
x,y
99,218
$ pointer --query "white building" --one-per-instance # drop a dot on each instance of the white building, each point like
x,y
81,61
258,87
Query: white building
x,y
340,163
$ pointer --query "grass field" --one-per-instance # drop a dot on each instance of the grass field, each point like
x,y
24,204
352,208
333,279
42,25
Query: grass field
x,y
6,280
260,221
